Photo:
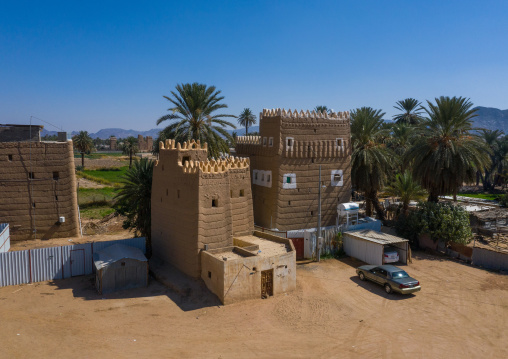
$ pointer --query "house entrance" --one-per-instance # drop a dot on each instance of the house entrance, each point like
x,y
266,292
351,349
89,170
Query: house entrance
x,y
267,283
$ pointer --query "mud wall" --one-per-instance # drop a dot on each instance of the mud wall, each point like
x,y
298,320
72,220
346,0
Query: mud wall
x,y
197,202
145,144
37,186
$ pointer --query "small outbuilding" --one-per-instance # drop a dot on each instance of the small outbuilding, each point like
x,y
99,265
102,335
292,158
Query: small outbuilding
x,y
369,246
120,267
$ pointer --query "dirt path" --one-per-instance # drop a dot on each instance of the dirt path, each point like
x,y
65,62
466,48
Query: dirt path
x,y
462,312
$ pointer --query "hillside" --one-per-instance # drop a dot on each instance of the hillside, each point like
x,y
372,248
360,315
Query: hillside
x,y
491,119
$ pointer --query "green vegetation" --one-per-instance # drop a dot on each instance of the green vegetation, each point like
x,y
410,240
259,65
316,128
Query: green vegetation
x,y
96,212
99,155
84,144
108,176
96,203
247,119
442,221
195,116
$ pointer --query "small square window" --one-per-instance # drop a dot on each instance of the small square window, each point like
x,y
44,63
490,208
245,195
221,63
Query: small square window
x,y
270,142
56,197
267,178
10,158
290,142
242,193
288,179
289,203
31,175
311,213
256,176
33,204
262,177
215,203
264,141
56,176
209,274
337,177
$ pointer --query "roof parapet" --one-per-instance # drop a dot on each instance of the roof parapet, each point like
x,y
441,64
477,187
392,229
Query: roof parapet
x,y
307,114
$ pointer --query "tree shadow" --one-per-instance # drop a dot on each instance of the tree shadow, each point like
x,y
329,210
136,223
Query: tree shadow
x,y
377,289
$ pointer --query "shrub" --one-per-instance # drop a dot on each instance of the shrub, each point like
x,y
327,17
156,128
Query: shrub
x,y
442,221
503,200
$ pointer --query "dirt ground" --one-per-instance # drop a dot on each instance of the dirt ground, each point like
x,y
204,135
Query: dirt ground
x,y
461,312
106,162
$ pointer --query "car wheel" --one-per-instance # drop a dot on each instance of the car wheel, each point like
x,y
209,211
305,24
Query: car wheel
x,y
362,276
388,289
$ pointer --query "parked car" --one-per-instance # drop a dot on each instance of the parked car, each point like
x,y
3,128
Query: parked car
x,y
393,279
390,255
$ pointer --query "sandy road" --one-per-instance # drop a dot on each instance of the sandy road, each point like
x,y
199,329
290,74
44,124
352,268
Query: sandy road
x,y
462,312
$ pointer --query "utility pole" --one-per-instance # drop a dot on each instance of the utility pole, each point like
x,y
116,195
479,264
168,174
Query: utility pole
x,y
318,234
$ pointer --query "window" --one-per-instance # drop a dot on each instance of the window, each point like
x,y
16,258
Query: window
x,y
270,142
231,193
56,197
337,178
311,213
33,204
264,141
315,130
256,176
185,159
289,181
56,176
267,178
10,158
215,203
242,193
31,175
289,143
289,203
340,143
209,274
262,177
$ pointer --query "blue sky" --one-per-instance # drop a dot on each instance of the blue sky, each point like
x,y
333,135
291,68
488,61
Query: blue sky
x,y
92,65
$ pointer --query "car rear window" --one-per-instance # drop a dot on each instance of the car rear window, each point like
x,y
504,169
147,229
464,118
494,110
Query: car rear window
x,y
400,274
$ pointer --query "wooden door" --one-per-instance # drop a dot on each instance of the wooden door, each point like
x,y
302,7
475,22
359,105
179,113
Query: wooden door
x,y
267,283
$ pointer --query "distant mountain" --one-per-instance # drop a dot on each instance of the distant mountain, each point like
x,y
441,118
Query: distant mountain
x,y
491,119
240,131
108,132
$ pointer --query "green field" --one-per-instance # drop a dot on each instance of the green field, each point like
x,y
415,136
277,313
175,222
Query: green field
x,y
96,203
97,155
96,212
111,176
488,196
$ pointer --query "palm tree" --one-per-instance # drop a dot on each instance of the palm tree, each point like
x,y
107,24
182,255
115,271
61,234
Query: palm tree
x,y
134,199
370,160
246,119
411,111
407,189
194,107
322,109
447,154
400,140
494,141
130,147
84,144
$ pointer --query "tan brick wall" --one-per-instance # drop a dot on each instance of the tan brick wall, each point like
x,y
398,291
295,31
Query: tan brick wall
x,y
37,204
197,202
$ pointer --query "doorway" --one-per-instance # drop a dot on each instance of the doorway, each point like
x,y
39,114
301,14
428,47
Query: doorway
x,y
266,283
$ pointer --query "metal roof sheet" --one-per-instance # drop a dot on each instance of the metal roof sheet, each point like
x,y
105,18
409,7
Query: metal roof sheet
x,y
376,237
115,253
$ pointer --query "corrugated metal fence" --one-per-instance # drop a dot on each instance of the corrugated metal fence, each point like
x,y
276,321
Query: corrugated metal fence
x,y
5,239
36,265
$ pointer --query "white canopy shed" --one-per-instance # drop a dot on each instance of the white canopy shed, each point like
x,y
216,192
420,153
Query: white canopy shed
x,y
369,246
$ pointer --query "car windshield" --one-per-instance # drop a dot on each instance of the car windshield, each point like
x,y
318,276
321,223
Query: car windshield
x,y
400,274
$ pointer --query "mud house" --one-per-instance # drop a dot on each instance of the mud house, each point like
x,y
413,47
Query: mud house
x,y
37,184
145,144
202,223
285,160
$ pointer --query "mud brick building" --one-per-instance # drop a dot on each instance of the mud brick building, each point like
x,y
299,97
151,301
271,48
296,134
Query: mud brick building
x,y
113,143
37,184
285,162
203,224
145,144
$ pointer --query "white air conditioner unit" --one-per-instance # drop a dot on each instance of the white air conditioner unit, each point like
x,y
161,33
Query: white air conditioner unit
x,y
61,219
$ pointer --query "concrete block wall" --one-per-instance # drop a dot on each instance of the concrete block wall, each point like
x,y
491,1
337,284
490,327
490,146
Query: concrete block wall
x,y
197,202
37,186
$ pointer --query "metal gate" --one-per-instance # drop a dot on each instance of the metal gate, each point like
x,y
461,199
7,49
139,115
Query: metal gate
x,y
77,262
299,247
267,283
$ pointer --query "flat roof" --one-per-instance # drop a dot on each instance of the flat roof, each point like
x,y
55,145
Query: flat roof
x,y
376,237
267,248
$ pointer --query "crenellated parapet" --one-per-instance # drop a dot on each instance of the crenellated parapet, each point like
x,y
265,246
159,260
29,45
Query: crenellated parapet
x,y
266,113
216,166
188,145
248,140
